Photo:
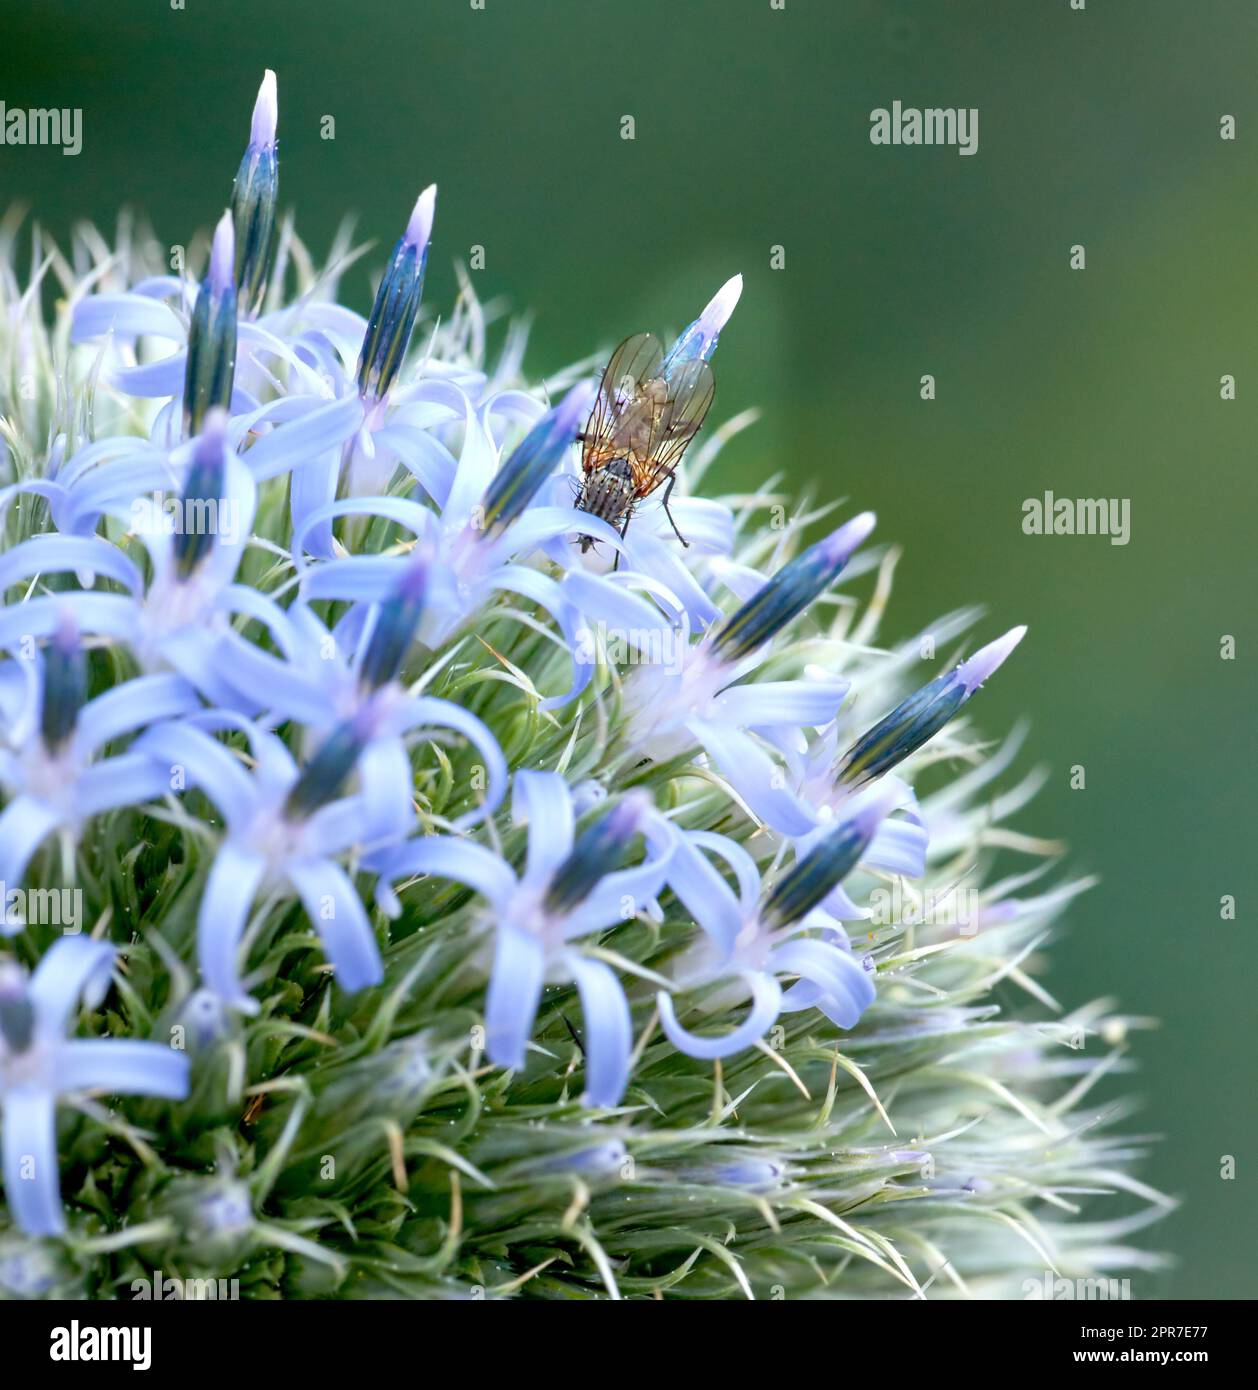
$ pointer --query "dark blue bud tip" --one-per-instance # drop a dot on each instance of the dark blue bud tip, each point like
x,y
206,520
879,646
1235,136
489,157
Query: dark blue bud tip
x,y
597,851
324,777
65,683
396,622
784,597
17,1013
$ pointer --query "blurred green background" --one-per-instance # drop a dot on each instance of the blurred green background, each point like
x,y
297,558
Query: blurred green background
x,y
1098,127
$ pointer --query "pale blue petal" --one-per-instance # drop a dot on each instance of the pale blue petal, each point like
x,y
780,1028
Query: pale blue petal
x,y
515,989
658,557
336,911
126,317
153,380
478,462
899,846
705,894
127,780
226,900
30,1145
384,771
312,488
445,857
68,554
769,703
130,706
543,802
206,764
353,579
608,1039
753,775
122,1066
291,444
635,621
428,460
543,591
620,896
266,682
845,988
108,615
72,968
25,824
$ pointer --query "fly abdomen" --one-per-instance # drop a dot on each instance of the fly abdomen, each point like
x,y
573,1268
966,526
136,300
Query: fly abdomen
x,y
607,493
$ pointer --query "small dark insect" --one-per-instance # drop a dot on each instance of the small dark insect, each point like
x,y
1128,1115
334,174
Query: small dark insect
x,y
645,414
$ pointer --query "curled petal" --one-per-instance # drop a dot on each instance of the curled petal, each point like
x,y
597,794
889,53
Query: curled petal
x,y
766,1004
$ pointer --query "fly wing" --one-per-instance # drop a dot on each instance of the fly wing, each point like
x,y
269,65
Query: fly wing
x,y
619,400
690,392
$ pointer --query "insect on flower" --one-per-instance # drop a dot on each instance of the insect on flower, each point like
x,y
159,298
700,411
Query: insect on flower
x,y
645,414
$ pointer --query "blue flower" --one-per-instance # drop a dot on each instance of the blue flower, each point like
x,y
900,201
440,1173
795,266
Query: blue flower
x,y
681,695
754,938
49,742
286,827
570,889
38,1065
470,544
173,621
327,677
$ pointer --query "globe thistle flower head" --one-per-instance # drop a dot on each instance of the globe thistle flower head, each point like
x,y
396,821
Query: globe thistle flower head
x,y
496,917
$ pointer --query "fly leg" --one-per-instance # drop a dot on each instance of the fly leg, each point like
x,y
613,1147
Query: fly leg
x,y
668,492
623,529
